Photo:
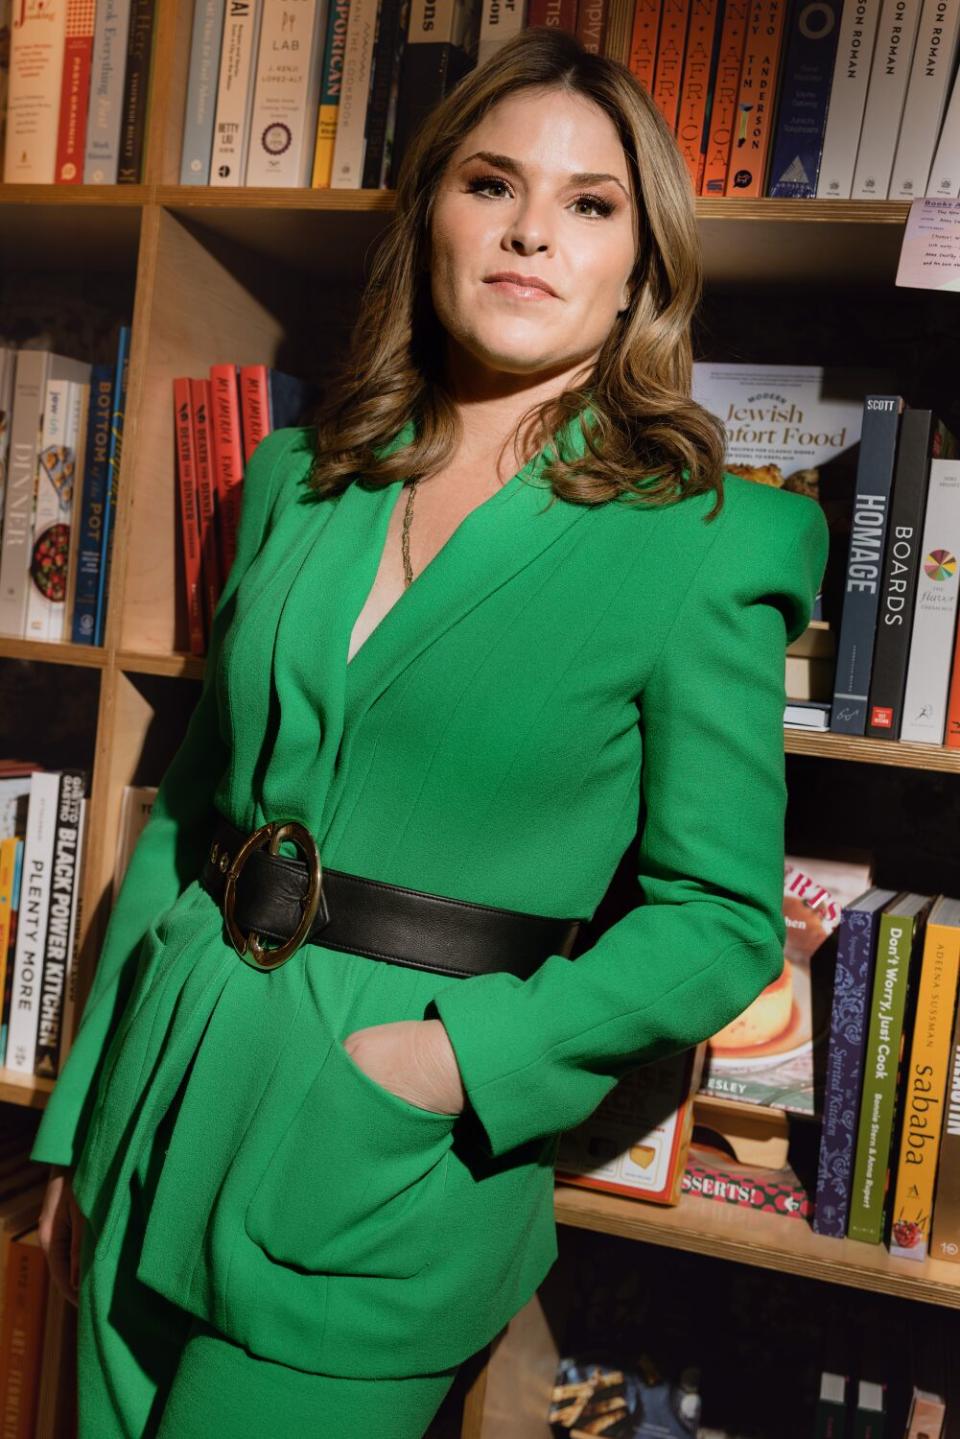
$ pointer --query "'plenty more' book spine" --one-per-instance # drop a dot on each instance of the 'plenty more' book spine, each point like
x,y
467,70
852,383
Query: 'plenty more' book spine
x,y
861,596
32,920
804,95
921,438
202,85
853,984
848,98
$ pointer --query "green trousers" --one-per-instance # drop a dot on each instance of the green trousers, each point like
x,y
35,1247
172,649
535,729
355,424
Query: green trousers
x,y
147,1369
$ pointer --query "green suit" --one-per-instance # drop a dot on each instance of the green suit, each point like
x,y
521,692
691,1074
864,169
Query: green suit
x,y
557,674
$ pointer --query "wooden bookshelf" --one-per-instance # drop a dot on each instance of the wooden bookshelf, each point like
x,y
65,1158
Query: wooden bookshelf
x,y
261,275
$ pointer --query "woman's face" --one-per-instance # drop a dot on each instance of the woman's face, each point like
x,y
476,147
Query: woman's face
x,y
540,189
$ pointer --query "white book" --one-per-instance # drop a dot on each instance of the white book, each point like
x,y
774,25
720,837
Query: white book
x,y
108,67
54,511
499,21
70,978
38,37
135,807
231,128
286,93
32,920
927,93
848,98
944,181
350,143
889,73
934,619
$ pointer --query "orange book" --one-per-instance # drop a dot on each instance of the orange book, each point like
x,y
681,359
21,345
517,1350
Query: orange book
x,y
21,1336
592,24
189,524
227,457
756,99
695,87
643,42
670,51
726,84
206,497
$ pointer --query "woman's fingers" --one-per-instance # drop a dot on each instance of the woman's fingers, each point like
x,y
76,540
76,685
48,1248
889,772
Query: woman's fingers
x,y
56,1231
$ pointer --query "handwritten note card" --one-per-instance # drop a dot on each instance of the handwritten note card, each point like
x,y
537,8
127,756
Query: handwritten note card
x,y
930,256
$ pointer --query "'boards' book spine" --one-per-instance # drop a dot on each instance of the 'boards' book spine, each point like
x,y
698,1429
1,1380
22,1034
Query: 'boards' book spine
x,y
922,437
861,594
852,987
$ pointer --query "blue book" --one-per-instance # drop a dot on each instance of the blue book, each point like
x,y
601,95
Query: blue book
x,y
864,575
90,519
806,81
113,466
852,988
200,109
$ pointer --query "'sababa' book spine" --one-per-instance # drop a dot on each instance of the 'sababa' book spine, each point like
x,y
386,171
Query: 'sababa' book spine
x,y
861,595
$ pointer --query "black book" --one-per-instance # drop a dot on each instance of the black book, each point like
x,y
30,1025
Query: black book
x,y
63,880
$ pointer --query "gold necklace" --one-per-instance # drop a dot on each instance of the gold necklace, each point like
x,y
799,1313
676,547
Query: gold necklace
x,y
405,537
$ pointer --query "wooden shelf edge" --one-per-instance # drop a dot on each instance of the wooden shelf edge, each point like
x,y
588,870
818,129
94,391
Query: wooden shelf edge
x,y
906,753
175,665
765,1240
52,653
27,1089
120,195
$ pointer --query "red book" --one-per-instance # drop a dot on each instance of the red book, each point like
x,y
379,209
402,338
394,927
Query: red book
x,y
254,406
643,42
592,24
695,88
189,525
207,517
21,1335
670,52
227,457
555,14
75,92
726,83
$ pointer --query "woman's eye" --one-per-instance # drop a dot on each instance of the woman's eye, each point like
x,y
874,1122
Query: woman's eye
x,y
601,206
484,182
480,183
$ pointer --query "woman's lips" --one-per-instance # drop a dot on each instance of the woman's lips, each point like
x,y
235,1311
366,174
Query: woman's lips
x,y
519,291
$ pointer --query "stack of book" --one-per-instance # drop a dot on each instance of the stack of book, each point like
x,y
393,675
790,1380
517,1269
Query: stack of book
x,y
42,827
24,1279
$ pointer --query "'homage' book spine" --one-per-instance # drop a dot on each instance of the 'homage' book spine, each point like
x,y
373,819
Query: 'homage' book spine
x,y
922,438
861,595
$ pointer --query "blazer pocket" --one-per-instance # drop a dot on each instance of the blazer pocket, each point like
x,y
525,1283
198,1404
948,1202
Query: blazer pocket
x,y
356,1184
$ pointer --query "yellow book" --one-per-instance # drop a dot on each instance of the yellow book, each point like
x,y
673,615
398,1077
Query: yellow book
x,y
336,38
925,1082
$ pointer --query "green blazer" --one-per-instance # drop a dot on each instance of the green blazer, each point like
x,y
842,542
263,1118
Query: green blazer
x,y
558,676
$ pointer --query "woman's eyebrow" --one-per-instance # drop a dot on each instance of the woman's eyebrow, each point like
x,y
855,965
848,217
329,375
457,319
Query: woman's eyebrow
x,y
514,167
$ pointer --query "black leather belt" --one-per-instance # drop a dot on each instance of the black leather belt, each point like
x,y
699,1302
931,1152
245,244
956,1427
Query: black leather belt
x,y
264,894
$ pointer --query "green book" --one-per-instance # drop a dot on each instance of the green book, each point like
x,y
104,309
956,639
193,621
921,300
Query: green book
x,y
901,925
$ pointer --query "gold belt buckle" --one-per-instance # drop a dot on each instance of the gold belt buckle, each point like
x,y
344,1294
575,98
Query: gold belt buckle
x,y
249,948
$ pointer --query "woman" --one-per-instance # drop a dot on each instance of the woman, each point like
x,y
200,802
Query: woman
x,y
304,1176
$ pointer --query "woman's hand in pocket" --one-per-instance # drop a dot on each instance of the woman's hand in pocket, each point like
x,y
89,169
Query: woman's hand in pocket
x,y
61,1231
414,1059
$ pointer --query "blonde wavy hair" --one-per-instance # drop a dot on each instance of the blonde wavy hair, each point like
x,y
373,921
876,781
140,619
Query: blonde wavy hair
x,y
646,435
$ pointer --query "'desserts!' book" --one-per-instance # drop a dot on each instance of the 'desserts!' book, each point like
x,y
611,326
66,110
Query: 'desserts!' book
x,y
775,1052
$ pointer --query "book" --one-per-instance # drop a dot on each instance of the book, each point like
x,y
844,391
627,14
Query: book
x,y
54,509
114,452
671,48
944,180
73,945
928,90
235,84
756,99
37,46
925,1081
886,93
726,85
188,512
74,92
348,148
848,98
440,49
107,72
96,472
499,21
693,113
868,533
200,105
286,93
388,48
931,657
338,19
592,25
136,93
21,1335
643,41
35,891
809,54
63,883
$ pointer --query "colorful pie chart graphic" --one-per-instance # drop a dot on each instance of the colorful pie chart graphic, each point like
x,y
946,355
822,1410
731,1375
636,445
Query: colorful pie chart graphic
x,y
940,565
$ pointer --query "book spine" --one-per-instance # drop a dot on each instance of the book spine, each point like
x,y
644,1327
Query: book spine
x,y
227,457
9,881
853,982
726,85
202,86
26,1282
32,920
643,42
945,1229
935,612
944,181
286,94
348,149
113,470
876,1120
37,46
889,73
75,92
804,96
919,436
95,477
56,949
206,497
670,52
17,541
927,91
387,54
188,506
254,407
435,57
756,99
7,994
133,111
76,918
861,596
106,91
500,20
592,25
924,1091
700,58
338,19
848,98
231,127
